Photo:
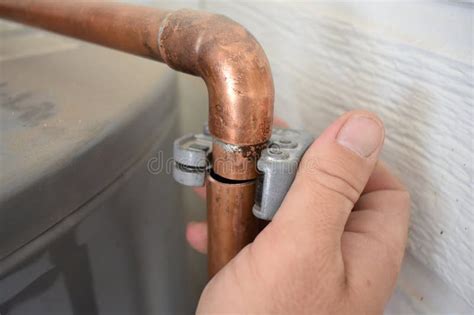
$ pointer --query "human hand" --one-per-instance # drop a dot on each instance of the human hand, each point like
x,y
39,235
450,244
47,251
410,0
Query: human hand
x,y
335,245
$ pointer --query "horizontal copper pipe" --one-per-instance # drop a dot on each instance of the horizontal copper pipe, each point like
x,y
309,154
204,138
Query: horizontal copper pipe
x,y
230,220
214,47
127,28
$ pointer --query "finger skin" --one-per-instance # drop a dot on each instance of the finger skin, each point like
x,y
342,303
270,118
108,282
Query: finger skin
x,y
196,235
382,179
200,191
330,179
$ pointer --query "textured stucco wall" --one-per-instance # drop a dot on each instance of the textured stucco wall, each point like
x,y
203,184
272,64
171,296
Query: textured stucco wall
x,y
412,64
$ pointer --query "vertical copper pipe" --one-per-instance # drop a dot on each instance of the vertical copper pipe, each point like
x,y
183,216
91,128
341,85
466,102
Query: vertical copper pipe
x,y
223,53
230,220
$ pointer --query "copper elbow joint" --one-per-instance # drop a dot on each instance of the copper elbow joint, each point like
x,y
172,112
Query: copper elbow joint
x,y
239,81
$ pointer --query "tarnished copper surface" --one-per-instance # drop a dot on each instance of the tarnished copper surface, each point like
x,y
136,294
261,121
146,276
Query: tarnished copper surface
x,y
231,224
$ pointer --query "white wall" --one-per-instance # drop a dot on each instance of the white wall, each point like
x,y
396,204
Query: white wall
x,y
412,64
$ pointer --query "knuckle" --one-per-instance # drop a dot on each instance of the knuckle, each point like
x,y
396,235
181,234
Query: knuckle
x,y
330,176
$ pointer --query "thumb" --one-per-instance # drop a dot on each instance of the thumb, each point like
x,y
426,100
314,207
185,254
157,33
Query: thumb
x,y
330,179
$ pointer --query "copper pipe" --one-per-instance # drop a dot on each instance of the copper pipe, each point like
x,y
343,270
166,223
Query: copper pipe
x,y
229,59
214,47
131,29
230,220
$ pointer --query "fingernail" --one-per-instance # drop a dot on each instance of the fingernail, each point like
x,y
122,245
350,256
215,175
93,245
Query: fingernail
x,y
361,134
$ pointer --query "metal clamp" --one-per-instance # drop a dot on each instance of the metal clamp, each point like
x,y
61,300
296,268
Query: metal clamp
x,y
277,165
191,158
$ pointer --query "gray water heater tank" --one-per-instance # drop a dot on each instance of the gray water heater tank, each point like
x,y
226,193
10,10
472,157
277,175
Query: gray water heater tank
x,y
86,227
